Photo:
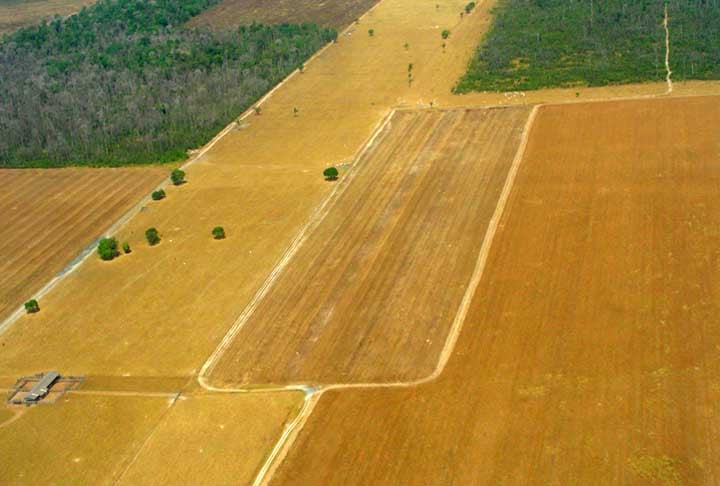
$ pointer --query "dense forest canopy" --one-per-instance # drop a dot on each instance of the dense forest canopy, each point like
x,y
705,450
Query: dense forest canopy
x,y
124,82
562,43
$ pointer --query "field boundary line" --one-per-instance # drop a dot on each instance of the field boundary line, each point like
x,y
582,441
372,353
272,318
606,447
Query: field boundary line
x,y
134,210
317,216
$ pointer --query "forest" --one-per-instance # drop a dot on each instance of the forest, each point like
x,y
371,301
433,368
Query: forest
x,y
124,82
537,44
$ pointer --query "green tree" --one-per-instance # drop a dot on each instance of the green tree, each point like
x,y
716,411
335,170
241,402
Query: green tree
x,y
445,34
469,7
107,249
32,306
152,236
218,233
158,195
331,174
371,32
177,177
126,247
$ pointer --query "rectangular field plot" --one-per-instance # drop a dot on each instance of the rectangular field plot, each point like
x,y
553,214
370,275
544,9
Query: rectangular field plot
x,y
373,291
591,351
49,215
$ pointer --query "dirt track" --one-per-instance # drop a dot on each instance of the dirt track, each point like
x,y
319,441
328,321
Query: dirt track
x,y
372,293
589,353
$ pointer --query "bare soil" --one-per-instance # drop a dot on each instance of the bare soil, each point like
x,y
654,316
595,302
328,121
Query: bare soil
x,y
16,14
590,352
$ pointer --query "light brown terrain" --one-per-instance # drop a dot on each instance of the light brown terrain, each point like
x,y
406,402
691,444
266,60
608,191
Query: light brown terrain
x,y
50,215
199,440
591,352
373,291
230,14
20,13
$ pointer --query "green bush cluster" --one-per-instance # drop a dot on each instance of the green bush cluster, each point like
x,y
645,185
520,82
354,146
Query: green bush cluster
x,y
152,236
158,195
469,7
32,306
218,233
108,248
331,174
177,177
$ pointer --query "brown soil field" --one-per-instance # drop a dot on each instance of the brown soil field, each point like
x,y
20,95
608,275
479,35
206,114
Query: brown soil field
x,y
213,439
20,13
79,440
373,291
50,215
591,352
230,14
170,305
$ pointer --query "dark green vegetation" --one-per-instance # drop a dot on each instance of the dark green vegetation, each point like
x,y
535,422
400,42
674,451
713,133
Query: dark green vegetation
x,y
177,177
331,174
123,82
218,233
108,248
158,195
32,306
152,236
469,7
565,43
126,248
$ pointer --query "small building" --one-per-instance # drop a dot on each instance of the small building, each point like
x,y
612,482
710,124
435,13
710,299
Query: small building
x,y
42,387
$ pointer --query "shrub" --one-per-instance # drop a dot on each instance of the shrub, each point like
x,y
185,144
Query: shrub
x,y
469,7
218,233
126,247
157,195
258,110
295,111
371,32
445,34
32,306
331,174
177,177
152,236
107,248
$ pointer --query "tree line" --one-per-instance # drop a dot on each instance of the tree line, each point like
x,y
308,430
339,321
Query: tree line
x,y
124,82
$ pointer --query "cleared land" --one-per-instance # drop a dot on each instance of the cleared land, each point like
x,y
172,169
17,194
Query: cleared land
x,y
48,216
197,443
19,13
170,305
229,14
590,352
79,440
372,293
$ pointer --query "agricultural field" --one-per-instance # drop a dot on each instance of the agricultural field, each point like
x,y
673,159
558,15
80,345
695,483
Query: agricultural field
x,y
20,13
50,216
590,351
556,43
213,439
229,14
171,304
373,290
82,439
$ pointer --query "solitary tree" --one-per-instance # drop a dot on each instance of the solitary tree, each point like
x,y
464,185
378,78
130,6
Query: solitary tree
x,y
177,177
295,111
126,247
445,34
158,195
258,110
406,46
218,233
371,32
152,236
469,7
32,306
331,174
107,249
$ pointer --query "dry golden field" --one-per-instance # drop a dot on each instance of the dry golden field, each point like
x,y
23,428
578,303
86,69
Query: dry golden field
x,y
83,439
213,439
374,289
229,14
590,353
20,13
164,309
50,215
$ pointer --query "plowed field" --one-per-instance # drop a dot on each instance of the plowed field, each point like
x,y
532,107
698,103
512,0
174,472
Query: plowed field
x,y
590,353
372,293
49,216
